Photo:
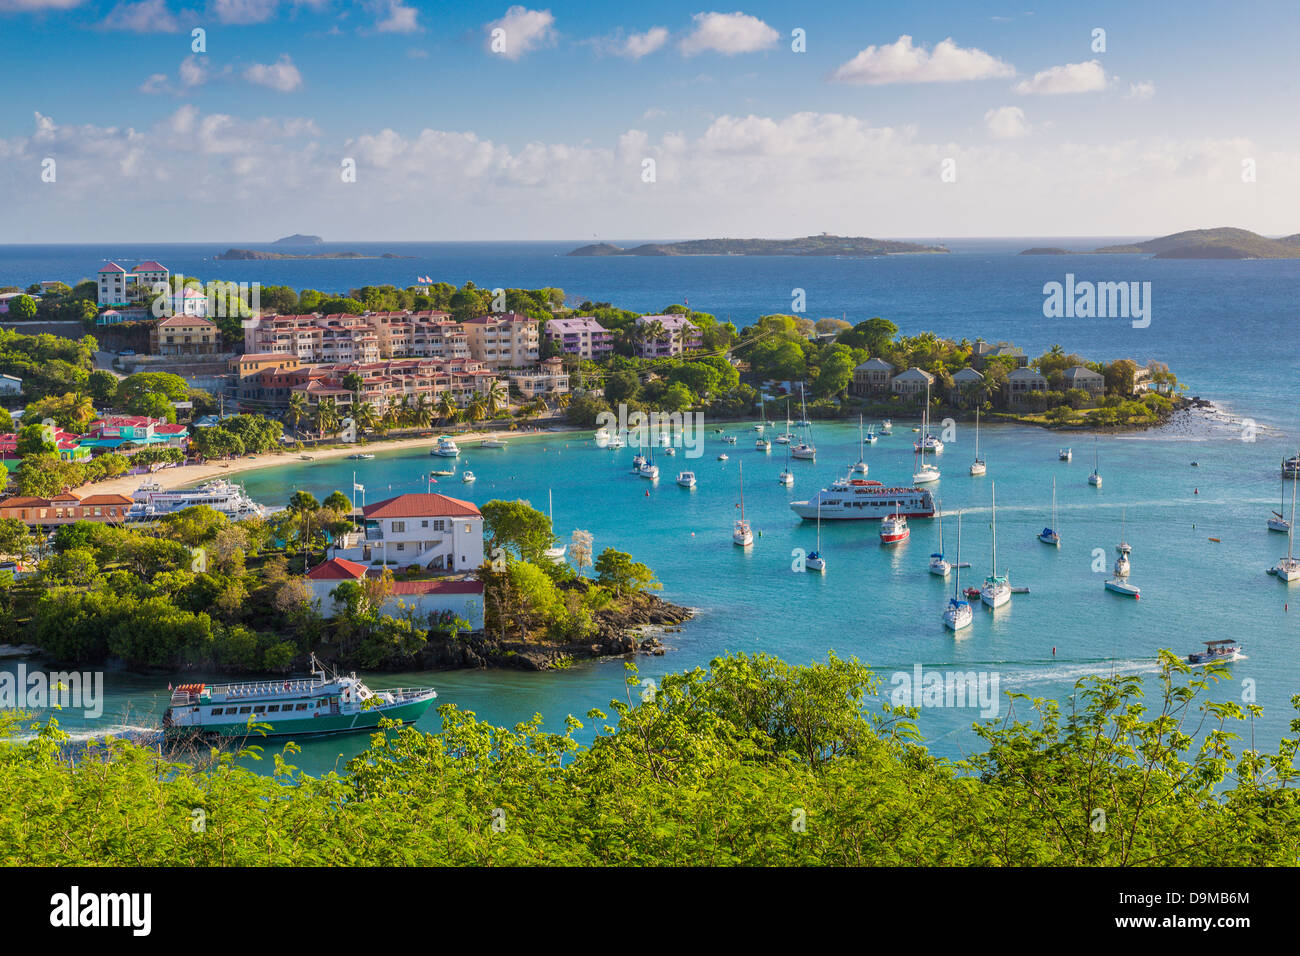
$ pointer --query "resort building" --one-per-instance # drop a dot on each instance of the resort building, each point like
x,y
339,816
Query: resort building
x,y
434,600
65,509
115,286
126,434
503,340
1085,378
389,384
1024,385
582,336
662,336
428,531
911,384
184,334
967,387
549,378
984,351
872,377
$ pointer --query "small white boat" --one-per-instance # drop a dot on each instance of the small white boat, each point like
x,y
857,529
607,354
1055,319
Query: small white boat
x,y
615,441
742,535
649,470
556,554
762,445
786,477
939,566
924,473
495,443
1065,454
1288,569
722,457
893,529
446,448
977,467
467,477
860,467
815,561
804,452
1123,588
1291,467
1277,522
670,451
686,479
886,427
601,438
1095,478
1049,535
958,613
1225,650
729,439
361,457
1123,546
782,439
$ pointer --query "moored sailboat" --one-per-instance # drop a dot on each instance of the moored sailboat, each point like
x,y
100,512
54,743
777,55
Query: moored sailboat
x,y
958,613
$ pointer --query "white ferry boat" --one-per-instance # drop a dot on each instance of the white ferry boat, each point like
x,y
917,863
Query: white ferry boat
x,y
324,703
153,501
863,500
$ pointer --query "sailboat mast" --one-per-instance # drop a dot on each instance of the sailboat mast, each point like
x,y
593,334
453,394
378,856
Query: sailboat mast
x,y
1290,532
742,491
995,530
956,588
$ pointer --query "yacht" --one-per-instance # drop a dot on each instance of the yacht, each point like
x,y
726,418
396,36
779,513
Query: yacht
x,y
862,500
649,470
762,444
938,565
870,437
152,501
601,438
1123,546
722,457
446,448
977,467
997,587
894,529
615,441
686,479
924,473
1123,588
323,703
1049,535
362,456
1291,467
787,476
742,535
958,613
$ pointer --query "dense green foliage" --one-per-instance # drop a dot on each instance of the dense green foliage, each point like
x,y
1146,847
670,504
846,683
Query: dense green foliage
x,y
47,363
754,762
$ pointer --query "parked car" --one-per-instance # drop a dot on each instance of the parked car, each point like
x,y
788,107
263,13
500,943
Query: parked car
x,y
126,352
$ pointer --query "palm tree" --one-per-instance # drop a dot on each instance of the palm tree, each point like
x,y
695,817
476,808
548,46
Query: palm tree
x,y
327,417
365,417
447,407
478,408
388,421
297,410
498,397
421,412
562,401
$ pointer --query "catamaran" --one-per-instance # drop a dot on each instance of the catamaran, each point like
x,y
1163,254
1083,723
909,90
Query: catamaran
x,y
938,565
860,468
958,613
977,467
1048,535
815,561
741,533
997,587
323,703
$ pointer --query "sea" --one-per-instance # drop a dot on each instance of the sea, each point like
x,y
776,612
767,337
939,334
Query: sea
x,y
1191,498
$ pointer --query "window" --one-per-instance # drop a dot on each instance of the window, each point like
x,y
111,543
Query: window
x,y
216,711
399,526
274,708
301,707
424,524
467,528
246,710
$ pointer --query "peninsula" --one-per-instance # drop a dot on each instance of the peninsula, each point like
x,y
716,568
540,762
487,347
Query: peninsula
x,y
1221,243
823,245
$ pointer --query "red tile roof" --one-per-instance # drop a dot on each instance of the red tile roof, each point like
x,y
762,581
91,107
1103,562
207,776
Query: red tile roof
x,y
106,500
337,569
422,506
112,267
437,587
187,319
150,266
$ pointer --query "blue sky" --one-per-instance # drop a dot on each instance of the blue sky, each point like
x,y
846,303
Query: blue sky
x,y
549,138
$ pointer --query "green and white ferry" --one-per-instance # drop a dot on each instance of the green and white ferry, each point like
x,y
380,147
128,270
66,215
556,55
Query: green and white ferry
x,y
324,703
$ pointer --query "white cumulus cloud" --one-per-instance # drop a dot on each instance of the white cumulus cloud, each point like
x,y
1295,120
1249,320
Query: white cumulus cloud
x,y
281,75
1086,77
1006,122
146,16
1140,91
904,62
728,33
395,17
522,31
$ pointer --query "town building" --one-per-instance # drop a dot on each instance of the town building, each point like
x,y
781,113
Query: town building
x,y
116,287
983,351
126,434
1085,378
184,334
548,378
967,386
911,384
582,336
872,377
428,531
1024,385
433,600
10,385
67,445
65,509
677,335
503,340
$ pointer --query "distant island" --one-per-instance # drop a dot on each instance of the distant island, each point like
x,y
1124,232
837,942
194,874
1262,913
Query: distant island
x,y
1221,243
823,245
256,254
298,239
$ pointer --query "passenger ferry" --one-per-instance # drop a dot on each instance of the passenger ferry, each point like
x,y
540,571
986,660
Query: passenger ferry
x,y
153,501
324,703
860,499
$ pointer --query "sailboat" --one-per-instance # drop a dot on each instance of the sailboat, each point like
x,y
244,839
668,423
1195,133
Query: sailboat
x,y
553,554
1048,534
927,441
937,563
1122,547
815,561
741,534
1277,522
1119,583
958,613
785,436
861,467
648,468
787,476
761,443
1095,478
977,467
1288,569
925,473
997,588
805,450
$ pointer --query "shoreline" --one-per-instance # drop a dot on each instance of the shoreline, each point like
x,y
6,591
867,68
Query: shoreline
x,y
183,475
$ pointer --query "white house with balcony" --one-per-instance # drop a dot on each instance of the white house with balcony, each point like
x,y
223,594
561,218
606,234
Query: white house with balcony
x,y
429,531
437,600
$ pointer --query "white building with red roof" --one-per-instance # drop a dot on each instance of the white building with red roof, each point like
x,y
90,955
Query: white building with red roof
x,y
428,531
116,285
437,600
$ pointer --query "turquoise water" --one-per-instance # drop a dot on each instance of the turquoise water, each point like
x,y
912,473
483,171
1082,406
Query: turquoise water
x,y
881,605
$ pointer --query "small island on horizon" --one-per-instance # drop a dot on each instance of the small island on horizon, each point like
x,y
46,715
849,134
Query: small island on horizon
x,y
298,239
823,245
1222,243
254,254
